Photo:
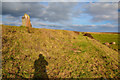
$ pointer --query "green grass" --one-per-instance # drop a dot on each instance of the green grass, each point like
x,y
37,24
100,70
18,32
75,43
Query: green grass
x,y
108,38
69,55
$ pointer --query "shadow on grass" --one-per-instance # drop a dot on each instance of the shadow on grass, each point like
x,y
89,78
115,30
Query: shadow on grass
x,y
39,74
40,68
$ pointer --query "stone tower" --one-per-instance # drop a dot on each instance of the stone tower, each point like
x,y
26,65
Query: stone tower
x,y
26,21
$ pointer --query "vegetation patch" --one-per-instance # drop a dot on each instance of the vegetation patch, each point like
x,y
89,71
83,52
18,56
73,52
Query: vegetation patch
x,y
57,54
109,38
88,35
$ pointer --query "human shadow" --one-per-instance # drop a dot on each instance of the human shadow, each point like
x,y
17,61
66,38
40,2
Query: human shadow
x,y
40,68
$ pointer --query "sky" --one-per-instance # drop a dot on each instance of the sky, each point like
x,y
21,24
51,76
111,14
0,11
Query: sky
x,y
74,16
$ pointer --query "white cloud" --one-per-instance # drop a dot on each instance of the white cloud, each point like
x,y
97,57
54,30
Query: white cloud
x,y
11,23
102,11
54,12
93,26
107,0
0,17
60,0
43,0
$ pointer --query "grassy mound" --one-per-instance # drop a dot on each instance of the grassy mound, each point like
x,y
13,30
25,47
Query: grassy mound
x,y
64,54
103,38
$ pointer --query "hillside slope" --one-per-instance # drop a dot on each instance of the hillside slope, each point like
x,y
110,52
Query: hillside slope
x,y
67,54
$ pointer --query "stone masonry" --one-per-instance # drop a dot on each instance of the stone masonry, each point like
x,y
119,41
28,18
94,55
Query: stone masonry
x,y
26,21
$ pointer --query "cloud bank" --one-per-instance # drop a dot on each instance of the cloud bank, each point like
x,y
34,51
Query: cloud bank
x,y
54,12
63,13
60,0
102,11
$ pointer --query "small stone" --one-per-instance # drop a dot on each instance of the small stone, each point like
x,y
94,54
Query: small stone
x,y
74,38
107,43
112,43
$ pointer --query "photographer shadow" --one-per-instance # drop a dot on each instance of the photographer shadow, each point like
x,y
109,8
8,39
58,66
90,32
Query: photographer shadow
x,y
40,68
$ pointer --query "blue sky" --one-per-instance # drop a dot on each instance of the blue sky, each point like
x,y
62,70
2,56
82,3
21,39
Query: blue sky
x,y
75,16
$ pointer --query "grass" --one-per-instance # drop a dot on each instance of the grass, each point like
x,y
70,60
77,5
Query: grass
x,y
108,38
69,54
